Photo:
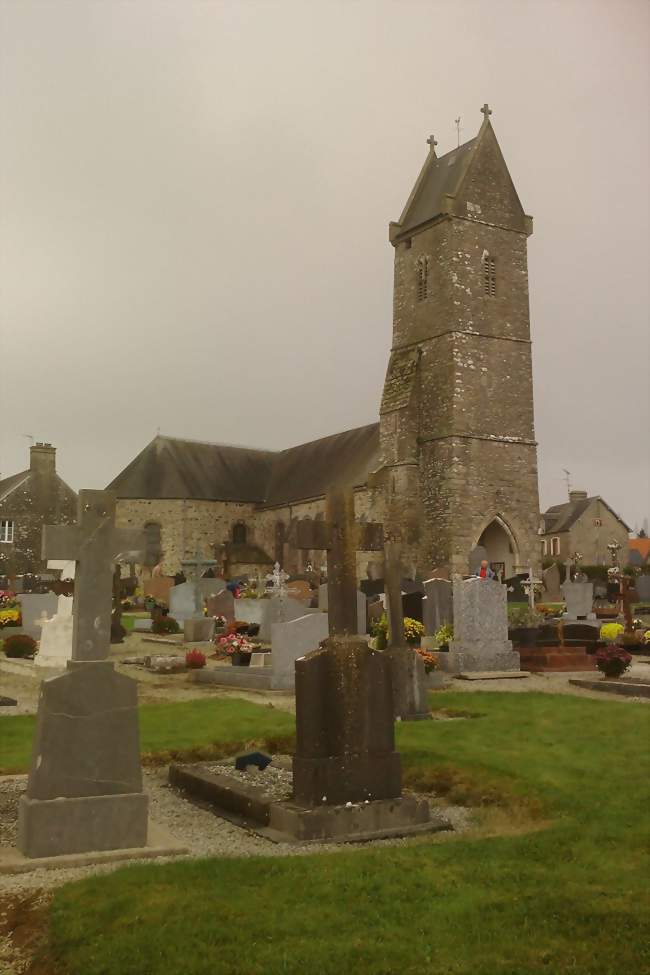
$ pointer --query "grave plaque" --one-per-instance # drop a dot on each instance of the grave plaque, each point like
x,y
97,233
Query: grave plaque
x,y
84,791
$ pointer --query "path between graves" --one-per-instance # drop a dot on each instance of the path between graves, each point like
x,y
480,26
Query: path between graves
x,y
157,688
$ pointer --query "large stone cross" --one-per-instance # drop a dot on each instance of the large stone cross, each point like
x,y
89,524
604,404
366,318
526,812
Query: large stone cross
x,y
393,594
199,564
95,544
341,537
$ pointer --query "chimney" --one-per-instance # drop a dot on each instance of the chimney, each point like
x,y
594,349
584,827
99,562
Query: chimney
x,y
577,495
42,458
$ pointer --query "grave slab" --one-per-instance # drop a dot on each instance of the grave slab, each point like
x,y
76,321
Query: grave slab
x,y
492,675
159,843
632,687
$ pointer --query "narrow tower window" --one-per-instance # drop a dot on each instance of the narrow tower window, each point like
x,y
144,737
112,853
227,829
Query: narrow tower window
x,y
422,278
489,275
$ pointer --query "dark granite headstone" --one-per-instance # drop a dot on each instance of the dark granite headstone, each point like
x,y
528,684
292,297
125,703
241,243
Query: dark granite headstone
x,y
8,702
579,634
412,605
345,741
438,606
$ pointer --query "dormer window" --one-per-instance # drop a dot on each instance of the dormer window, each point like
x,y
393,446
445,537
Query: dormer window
x,y
422,278
489,275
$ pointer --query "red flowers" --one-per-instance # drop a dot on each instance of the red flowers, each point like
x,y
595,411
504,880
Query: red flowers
x,y
613,661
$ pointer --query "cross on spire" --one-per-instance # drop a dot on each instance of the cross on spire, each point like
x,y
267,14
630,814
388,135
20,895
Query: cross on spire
x,y
432,143
487,111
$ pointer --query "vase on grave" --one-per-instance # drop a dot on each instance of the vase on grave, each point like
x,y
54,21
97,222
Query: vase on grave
x,y
240,659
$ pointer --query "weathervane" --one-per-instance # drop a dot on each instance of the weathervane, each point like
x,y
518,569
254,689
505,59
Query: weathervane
x,y
457,124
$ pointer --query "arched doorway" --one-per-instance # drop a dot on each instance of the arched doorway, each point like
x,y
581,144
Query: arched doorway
x,y
501,548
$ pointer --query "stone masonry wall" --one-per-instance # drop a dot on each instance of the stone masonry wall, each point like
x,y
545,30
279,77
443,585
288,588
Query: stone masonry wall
x,y
44,499
209,523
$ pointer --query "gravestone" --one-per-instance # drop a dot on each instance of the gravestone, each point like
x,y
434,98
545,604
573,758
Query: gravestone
x,y
142,625
551,578
291,640
476,556
183,598
198,629
580,634
437,606
643,588
223,604
35,607
412,605
362,607
84,790
579,598
158,587
406,666
55,645
345,744
301,590
480,628
266,612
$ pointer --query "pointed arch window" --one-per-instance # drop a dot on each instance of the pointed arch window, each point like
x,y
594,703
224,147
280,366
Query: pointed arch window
x,y
422,278
489,275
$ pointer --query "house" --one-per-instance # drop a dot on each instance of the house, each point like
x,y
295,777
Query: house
x,y
584,525
29,500
451,462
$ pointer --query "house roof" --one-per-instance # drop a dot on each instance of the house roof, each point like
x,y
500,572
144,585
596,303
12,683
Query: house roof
x,y
188,469
642,546
9,484
561,517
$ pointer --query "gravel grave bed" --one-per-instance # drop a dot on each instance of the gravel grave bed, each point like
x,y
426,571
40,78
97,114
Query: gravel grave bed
x,y
276,782
199,827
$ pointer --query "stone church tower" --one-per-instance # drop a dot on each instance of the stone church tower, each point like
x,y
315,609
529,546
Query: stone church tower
x,y
456,426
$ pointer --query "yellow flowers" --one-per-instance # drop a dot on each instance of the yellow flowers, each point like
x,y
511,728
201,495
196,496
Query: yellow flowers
x,y
610,631
11,615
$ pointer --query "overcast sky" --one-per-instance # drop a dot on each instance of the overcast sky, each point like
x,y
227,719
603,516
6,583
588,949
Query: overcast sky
x,y
195,202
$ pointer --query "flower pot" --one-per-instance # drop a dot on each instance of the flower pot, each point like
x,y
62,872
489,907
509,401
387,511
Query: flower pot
x,y
240,659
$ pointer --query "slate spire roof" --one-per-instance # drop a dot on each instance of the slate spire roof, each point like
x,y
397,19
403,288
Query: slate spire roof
x,y
187,469
441,180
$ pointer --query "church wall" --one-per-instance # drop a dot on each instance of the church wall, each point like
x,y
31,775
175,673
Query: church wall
x,y
465,483
294,560
184,524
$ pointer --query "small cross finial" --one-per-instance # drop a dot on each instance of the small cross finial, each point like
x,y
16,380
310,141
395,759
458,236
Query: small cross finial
x,y
487,111
432,143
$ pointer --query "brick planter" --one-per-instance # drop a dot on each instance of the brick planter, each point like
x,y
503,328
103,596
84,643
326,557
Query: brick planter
x,y
555,659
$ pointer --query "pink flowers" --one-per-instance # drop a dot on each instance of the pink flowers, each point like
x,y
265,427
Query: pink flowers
x,y
233,643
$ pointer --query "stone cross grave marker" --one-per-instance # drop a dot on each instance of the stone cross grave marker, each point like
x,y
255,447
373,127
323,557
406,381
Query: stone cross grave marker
x,y
95,544
341,537
198,565
84,790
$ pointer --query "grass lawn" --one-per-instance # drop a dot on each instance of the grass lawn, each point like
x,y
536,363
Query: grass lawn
x,y
191,729
567,894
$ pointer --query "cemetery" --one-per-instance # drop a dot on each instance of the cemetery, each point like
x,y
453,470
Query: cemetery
x,y
315,656
329,752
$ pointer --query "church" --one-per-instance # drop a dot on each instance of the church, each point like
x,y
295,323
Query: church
x,y
452,461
